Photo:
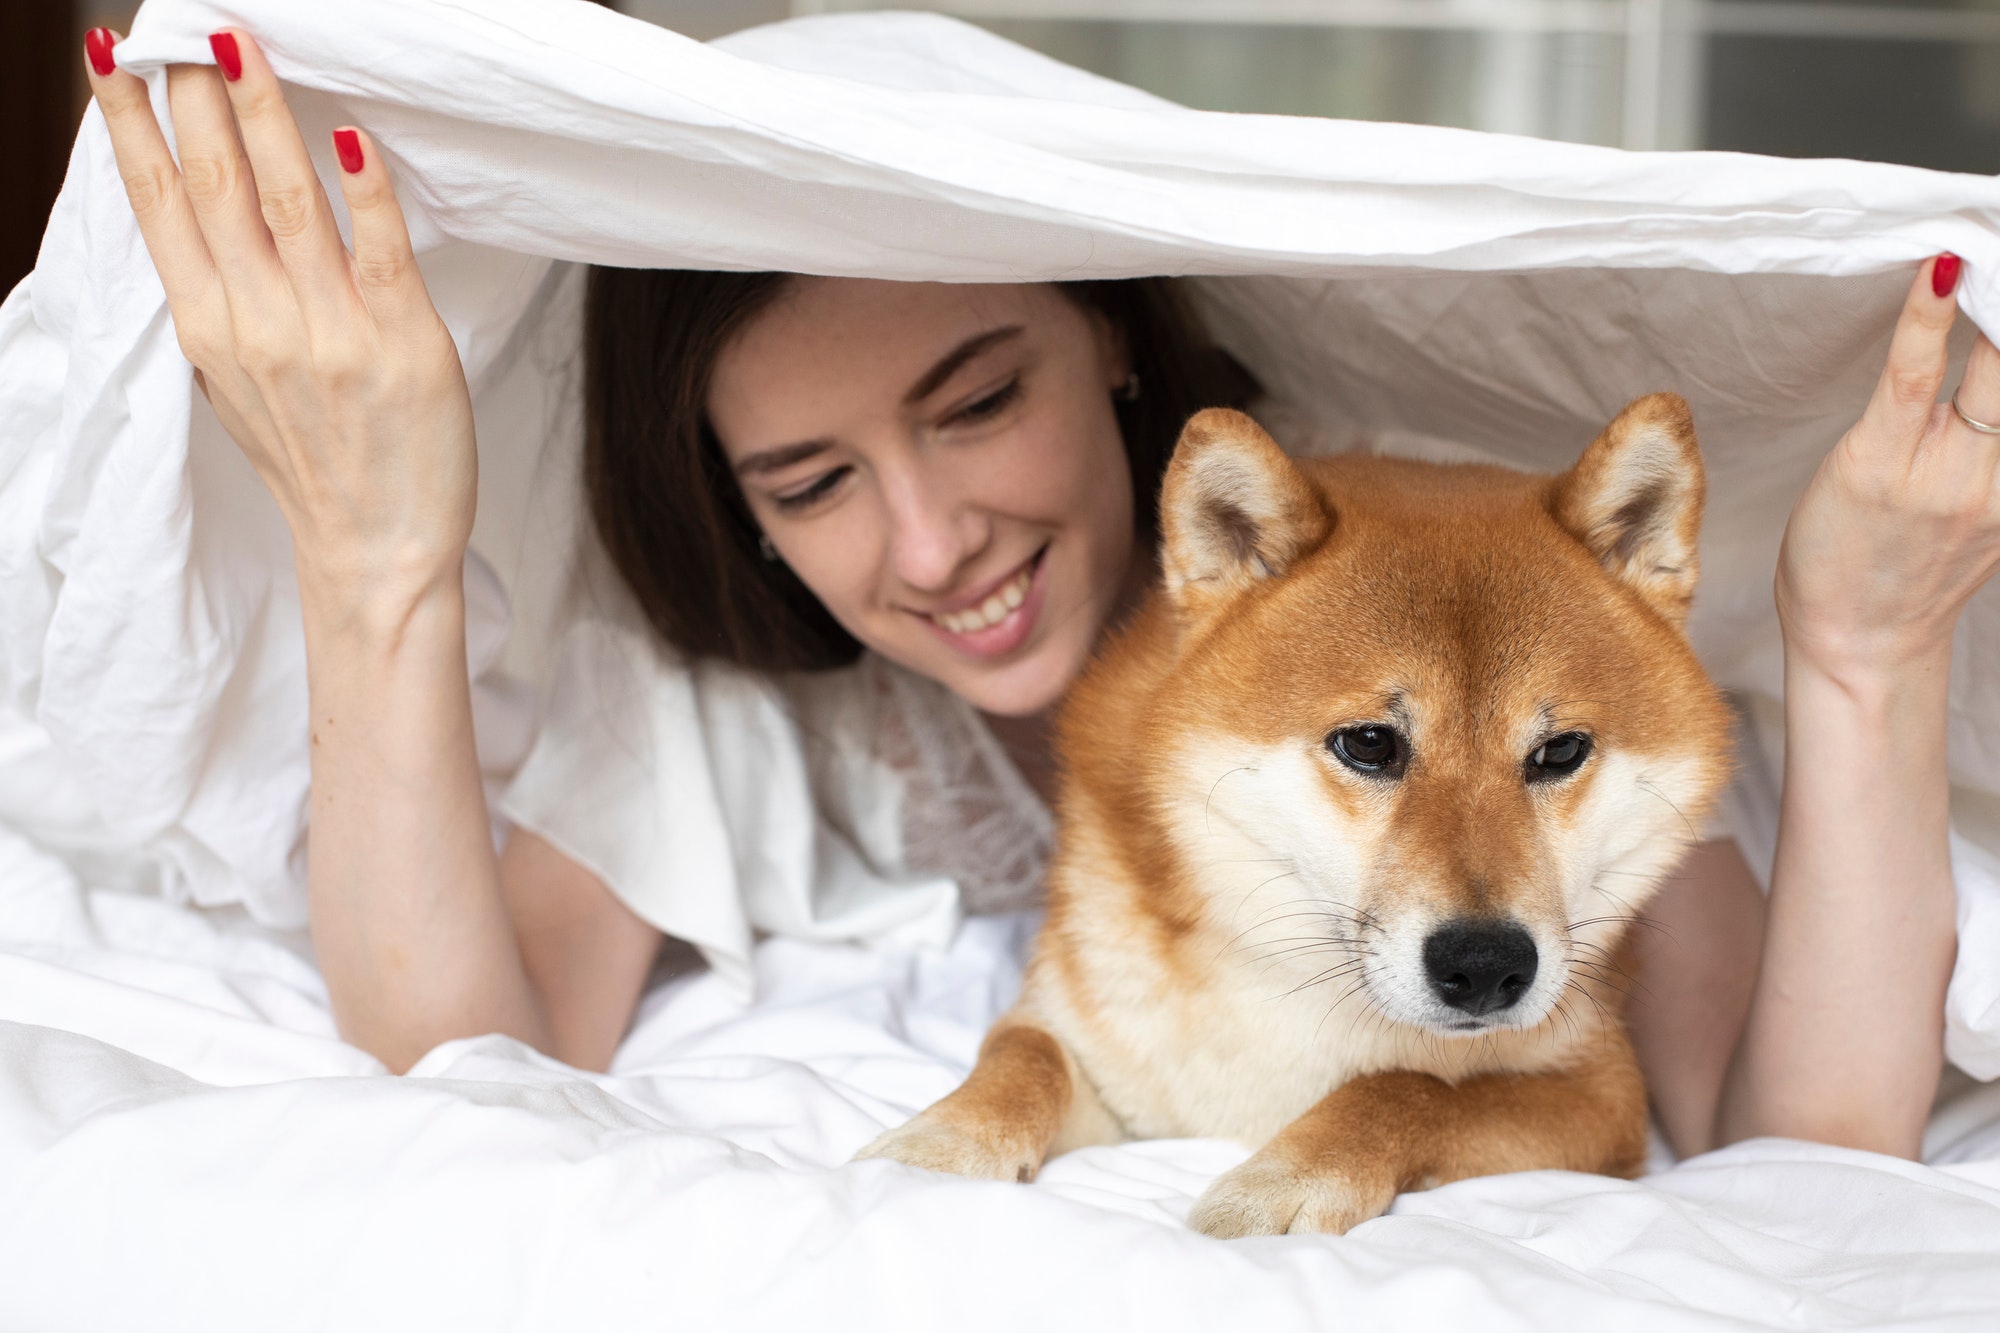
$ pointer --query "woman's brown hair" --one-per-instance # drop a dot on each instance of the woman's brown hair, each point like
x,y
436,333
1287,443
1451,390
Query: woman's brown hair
x,y
668,510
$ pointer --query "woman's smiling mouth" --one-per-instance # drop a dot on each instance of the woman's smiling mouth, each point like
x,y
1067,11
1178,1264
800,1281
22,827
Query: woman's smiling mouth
x,y
1000,620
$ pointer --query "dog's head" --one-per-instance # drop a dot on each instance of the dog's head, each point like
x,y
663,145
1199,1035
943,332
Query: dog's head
x,y
1432,733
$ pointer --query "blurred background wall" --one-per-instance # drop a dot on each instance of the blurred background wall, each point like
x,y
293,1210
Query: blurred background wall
x,y
1914,81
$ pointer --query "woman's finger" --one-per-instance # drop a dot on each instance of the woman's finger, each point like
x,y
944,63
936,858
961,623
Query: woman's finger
x,y
222,188
152,181
385,266
1979,392
293,205
1894,422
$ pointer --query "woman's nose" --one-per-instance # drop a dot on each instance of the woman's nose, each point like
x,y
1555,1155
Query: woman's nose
x,y
932,533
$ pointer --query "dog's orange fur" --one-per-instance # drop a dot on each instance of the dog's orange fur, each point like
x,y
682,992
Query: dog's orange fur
x,y
1236,916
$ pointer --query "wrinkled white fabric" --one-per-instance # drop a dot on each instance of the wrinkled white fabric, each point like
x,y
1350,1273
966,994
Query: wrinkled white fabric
x,y
184,1146
851,804
1506,293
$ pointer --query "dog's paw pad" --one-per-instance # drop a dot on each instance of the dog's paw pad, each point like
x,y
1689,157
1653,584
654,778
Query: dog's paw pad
x,y
1266,1197
936,1146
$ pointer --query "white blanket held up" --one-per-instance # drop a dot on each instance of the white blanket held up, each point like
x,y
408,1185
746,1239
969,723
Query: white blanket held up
x,y
1506,293
184,1143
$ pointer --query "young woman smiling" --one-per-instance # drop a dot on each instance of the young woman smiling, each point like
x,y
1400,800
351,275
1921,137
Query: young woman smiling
x,y
786,472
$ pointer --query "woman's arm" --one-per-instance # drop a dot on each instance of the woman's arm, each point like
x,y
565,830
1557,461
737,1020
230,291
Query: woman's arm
x,y
585,951
407,916
1845,1038
342,386
1899,527
1695,966
422,933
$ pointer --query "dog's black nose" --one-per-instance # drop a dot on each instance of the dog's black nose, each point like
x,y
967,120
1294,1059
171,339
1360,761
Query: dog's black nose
x,y
1480,966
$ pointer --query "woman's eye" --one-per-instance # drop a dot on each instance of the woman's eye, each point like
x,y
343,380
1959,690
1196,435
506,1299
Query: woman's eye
x,y
991,405
821,487
1375,750
1558,756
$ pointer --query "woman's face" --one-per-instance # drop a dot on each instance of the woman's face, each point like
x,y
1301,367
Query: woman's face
x,y
941,466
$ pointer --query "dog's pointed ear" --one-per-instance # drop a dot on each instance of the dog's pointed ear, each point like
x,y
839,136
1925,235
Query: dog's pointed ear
x,y
1234,510
1635,498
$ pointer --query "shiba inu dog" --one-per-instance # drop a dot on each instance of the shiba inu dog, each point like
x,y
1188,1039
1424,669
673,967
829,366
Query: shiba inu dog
x,y
1354,817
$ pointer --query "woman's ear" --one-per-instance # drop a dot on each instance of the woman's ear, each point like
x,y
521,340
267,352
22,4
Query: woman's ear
x,y
1114,350
1234,510
1635,500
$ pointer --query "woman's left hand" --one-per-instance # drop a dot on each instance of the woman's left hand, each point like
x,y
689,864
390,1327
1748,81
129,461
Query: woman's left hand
x,y
1901,524
1897,530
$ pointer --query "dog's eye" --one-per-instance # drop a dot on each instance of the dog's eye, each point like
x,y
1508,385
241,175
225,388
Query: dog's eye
x,y
1370,749
1558,756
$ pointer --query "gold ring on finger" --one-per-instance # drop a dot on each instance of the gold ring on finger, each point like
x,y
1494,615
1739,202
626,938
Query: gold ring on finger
x,y
1979,426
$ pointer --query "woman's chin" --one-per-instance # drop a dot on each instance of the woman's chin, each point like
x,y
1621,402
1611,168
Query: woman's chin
x,y
1013,703
1022,687
1018,689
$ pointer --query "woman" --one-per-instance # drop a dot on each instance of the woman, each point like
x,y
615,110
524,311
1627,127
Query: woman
x,y
935,473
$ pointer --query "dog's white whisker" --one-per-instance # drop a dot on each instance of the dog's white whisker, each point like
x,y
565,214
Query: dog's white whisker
x,y
1329,974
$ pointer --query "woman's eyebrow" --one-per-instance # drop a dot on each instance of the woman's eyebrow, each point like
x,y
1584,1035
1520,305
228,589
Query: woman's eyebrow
x,y
776,460
949,363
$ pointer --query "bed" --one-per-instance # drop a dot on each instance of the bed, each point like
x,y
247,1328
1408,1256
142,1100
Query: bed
x,y
184,1140
185,1144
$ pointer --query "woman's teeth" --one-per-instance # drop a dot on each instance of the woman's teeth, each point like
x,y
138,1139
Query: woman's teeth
x,y
994,609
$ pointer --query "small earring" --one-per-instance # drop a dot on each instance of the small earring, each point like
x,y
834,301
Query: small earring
x,y
1128,392
764,547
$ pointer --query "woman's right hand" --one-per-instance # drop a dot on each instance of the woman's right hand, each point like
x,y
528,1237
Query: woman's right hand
x,y
331,370
337,378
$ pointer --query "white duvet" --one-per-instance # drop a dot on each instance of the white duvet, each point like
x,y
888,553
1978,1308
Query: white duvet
x,y
183,1145
184,1142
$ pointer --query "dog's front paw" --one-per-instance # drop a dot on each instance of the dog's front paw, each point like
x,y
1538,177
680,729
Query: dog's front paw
x,y
1267,1196
938,1146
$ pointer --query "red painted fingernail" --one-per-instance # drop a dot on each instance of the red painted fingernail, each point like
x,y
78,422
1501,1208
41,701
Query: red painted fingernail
x,y
347,143
1944,274
226,54
97,45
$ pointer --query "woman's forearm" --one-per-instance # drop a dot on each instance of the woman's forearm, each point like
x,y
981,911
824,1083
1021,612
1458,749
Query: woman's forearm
x,y
407,914
1844,1038
347,396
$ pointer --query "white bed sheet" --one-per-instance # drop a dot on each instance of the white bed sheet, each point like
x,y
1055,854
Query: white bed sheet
x,y
184,1144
